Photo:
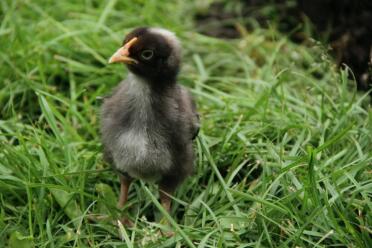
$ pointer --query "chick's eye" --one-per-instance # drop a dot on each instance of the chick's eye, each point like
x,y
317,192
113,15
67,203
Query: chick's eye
x,y
147,54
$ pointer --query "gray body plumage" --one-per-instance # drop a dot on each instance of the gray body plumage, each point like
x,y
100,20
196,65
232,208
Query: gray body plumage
x,y
147,133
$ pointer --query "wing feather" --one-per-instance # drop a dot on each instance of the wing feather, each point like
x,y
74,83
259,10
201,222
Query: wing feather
x,y
191,112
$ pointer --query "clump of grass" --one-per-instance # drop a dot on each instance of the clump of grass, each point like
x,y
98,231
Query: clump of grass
x,y
284,154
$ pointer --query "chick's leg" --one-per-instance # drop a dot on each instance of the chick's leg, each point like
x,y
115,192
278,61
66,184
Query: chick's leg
x,y
165,200
124,188
123,197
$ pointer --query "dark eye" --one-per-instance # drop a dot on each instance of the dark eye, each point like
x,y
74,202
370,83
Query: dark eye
x,y
147,54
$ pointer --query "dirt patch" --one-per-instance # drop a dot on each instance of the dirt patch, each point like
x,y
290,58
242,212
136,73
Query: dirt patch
x,y
348,25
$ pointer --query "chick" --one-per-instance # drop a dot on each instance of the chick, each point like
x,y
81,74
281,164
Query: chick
x,y
149,122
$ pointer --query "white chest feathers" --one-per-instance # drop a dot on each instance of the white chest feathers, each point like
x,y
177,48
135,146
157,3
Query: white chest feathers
x,y
140,150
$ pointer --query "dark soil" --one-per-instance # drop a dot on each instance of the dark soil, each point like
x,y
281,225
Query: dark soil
x,y
347,24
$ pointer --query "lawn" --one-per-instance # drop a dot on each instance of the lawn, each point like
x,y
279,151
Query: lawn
x,y
284,156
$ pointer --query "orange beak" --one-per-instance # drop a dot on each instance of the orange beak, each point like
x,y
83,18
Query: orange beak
x,y
122,54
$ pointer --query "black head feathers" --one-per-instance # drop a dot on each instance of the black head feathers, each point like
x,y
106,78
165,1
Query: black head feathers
x,y
151,53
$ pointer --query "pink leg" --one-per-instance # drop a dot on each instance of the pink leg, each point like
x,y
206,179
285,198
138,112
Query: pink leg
x,y
124,188
165,201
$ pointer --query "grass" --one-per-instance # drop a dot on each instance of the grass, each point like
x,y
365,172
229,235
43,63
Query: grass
x,y
284,155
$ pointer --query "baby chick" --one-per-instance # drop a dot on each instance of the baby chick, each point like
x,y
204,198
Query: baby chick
x,y
149,122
